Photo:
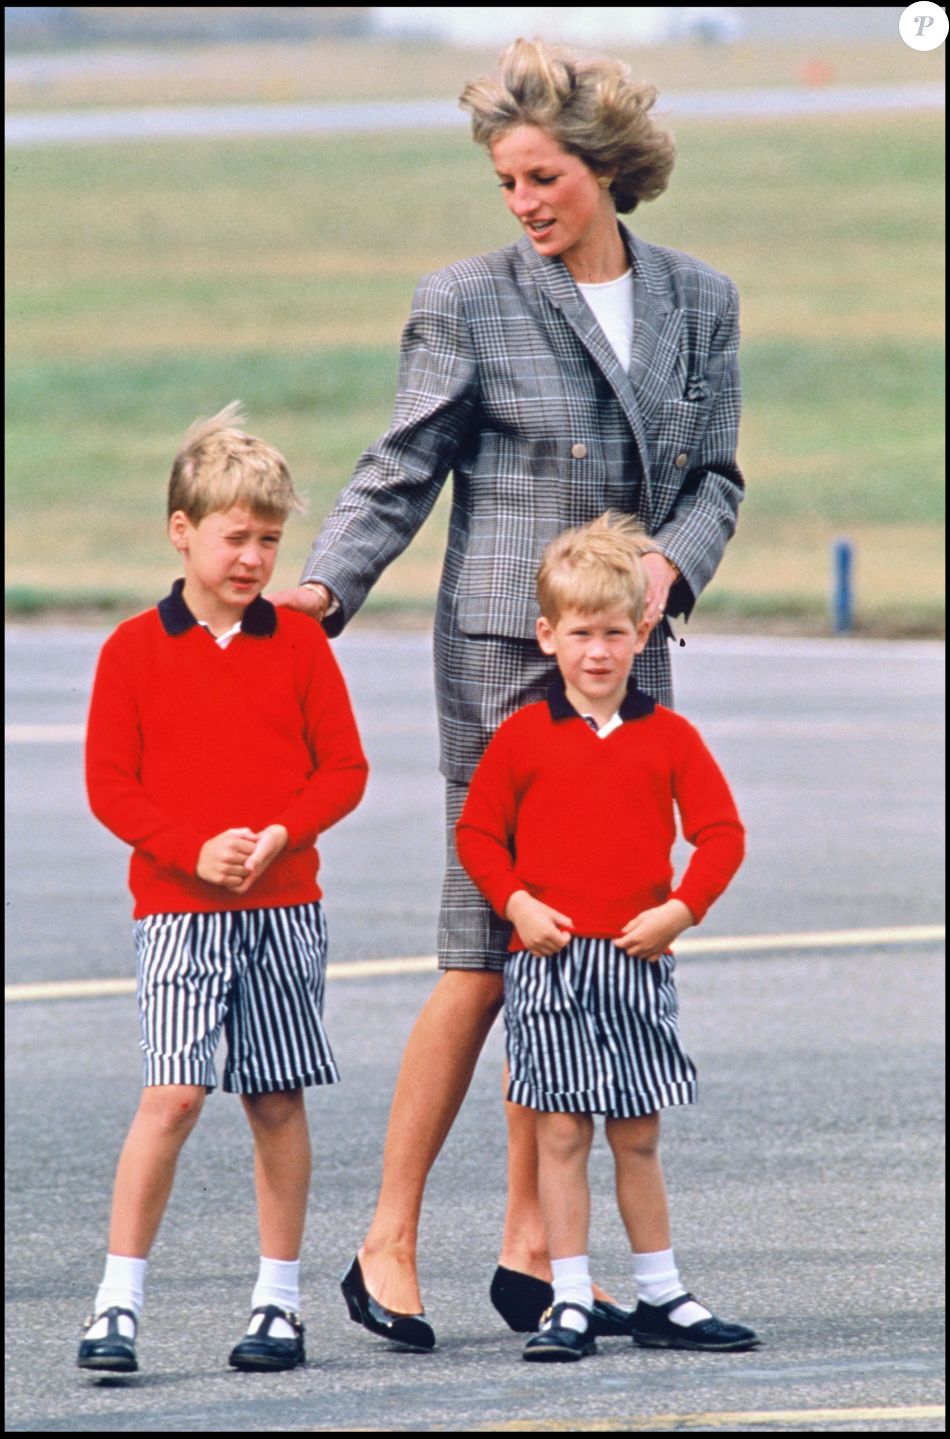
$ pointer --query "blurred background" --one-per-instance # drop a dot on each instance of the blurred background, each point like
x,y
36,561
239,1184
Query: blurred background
x,y
210,203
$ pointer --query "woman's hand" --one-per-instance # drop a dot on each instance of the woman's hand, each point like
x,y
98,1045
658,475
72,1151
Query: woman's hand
x,y
313,600
537,924
662,575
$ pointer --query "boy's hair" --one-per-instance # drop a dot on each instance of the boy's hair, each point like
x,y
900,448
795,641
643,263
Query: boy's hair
x,y
219,466
595,567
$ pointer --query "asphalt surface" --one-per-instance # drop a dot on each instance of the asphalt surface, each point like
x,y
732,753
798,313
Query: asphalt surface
x,y
805,1186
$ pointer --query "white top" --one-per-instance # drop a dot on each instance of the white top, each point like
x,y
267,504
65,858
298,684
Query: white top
x,y
612,304
222,641
602,731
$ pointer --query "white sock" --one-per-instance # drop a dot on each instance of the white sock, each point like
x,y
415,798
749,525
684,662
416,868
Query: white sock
x,y
572,1286
658,1281
278,1282
123,1286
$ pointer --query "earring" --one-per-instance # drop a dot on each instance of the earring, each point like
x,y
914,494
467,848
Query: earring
x,y
604,181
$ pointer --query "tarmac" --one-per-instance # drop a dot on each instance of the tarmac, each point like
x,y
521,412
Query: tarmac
x,y
805,1186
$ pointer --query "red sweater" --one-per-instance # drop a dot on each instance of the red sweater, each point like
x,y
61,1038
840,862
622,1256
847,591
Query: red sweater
x,y
587,825
186,740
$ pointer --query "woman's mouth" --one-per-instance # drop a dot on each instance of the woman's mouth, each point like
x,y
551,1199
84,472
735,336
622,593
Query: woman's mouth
x,y
539,227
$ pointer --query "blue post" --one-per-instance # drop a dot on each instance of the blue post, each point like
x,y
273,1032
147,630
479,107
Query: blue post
x,y
842,607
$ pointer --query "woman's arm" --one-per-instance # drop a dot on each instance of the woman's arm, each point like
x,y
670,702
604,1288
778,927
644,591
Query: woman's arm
x,y
398,479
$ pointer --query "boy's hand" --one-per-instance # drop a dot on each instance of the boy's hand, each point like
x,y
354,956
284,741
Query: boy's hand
x,y
538,925
652,932
269,844
222,858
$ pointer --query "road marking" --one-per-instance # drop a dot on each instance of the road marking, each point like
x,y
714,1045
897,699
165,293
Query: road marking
x,y
44,733
716,1420
426,963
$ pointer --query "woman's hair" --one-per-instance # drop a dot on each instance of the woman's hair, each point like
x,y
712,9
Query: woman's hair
x,y
591,108
595,567
219,466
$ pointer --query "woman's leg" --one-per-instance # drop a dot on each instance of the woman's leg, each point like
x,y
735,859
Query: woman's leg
x,y
437,1067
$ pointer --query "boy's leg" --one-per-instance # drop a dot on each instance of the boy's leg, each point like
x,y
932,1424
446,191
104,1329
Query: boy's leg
x,y
437,1067
275,1335
641,1191
564,1142
166,1115
282,1164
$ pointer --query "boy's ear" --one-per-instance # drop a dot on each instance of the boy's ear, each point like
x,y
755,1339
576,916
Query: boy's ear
x,y
545,634
178,527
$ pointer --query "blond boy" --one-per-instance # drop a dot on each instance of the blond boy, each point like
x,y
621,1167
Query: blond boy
x,y
567,831
221,743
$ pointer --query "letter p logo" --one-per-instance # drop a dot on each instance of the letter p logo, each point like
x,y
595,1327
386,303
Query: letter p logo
x,y
924,26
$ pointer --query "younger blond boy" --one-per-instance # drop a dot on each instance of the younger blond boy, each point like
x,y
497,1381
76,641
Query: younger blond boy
x,y
567,831
221,743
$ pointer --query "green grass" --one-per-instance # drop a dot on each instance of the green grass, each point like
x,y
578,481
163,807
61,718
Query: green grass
x,y
150,284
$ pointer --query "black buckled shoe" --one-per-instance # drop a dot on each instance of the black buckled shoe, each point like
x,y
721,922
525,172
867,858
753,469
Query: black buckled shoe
x,y
409,1331
114,1352
652,1328
263,1350
556,1343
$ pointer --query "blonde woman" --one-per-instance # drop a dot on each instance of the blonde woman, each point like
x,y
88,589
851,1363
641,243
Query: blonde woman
x,y
577,370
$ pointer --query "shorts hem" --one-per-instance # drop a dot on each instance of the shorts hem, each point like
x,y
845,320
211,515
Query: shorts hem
x,y
613,1106
235,1085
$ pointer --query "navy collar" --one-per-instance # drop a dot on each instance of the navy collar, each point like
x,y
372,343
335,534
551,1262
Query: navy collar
x,y
260,617
635,704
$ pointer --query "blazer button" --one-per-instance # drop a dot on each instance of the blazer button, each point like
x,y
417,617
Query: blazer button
x,y
579,451
681,461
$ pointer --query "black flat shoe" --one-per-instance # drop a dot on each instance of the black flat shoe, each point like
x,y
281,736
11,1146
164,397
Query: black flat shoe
x,y
555,1343
652,1328
410,1331
520,1299
114,1351
609,1321
262,1350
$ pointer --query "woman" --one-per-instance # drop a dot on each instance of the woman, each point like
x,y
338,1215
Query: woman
x,y
577,370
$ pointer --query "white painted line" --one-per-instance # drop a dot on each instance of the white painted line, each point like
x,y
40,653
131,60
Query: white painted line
x,y
426,963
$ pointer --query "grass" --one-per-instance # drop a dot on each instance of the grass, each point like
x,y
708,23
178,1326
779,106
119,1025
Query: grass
x,y
149,284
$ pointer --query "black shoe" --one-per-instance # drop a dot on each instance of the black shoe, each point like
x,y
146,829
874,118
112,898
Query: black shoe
x,y
114,1351
410,1331
262,1350
609,1321
652,1328
555,1343
521,1300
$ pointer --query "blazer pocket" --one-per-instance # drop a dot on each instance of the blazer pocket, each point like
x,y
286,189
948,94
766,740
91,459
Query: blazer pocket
x,y
677,427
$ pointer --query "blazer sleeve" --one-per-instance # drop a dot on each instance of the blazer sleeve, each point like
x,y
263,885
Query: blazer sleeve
x,y
702,519
398,479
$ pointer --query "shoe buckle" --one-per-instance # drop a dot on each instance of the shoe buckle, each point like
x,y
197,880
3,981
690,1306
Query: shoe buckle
x,y
546,1317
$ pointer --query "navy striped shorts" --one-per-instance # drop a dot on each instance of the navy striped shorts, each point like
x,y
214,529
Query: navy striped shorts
x,y
256,974
592,1030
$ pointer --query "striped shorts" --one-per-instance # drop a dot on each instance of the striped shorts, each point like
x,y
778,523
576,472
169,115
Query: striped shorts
x,y
257,974
592,1030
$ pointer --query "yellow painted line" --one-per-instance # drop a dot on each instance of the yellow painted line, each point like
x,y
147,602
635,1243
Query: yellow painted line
x,y
715,1420
426,963
44,733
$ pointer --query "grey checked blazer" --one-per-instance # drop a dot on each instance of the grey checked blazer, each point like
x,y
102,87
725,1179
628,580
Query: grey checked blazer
x,y
507,380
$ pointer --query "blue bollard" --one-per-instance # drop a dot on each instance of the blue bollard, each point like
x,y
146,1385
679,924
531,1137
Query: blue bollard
x,y
841,597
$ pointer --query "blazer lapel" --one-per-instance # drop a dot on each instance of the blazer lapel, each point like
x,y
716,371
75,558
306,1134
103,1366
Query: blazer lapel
x,y
656,333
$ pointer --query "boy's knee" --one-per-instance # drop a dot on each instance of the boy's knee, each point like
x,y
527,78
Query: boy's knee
x,y
637,1137
173,1108
564,1136
274,1111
